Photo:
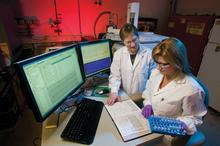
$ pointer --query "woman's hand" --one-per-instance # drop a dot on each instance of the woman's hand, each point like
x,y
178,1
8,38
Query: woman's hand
x,y
113,97
184,126
147,111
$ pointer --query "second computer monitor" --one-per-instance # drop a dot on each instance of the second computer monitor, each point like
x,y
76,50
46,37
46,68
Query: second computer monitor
x,y
96,56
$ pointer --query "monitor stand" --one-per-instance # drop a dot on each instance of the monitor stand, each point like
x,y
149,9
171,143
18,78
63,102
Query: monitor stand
x,y
54,119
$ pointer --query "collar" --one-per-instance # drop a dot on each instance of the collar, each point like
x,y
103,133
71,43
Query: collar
x,y
141,50
182,81
169,86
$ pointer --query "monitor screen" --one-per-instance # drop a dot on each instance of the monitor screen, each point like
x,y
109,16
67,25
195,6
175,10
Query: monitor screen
x,y
96,56
50,78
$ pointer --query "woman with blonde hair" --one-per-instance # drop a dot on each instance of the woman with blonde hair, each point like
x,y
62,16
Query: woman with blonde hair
x,y
172,90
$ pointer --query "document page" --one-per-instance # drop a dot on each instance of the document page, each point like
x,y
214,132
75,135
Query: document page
x,y
123,108
128,119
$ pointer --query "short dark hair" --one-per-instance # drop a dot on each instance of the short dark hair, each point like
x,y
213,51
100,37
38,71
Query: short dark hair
x,y
128,29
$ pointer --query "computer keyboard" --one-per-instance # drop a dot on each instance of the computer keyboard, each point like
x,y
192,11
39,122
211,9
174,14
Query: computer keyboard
x,y
165,125
82,125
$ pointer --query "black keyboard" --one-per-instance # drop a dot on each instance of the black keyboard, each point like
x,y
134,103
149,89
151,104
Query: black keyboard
x,y
82,126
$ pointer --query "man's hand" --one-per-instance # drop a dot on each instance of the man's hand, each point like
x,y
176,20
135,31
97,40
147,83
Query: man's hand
x,y
113,97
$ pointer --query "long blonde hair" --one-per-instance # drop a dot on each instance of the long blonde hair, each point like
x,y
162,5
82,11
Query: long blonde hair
x,y
174,52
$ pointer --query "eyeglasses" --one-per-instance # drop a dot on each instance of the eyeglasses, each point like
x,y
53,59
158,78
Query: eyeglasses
x,y
128,43
163,65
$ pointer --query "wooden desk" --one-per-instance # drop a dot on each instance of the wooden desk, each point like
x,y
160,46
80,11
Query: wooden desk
x,y
106,134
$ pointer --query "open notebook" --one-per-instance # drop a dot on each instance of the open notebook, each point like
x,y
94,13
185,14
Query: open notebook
x,y
128,119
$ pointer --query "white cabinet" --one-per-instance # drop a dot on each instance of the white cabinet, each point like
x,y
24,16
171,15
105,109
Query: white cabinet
x,y
209,71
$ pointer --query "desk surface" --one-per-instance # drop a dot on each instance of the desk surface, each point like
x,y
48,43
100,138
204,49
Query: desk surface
x,y
106,134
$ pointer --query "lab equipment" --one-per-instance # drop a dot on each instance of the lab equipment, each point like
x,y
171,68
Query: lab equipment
x,y
110,23
165,125
133,13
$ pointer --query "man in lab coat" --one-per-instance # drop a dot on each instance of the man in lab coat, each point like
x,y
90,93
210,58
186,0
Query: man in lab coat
x,y
131,66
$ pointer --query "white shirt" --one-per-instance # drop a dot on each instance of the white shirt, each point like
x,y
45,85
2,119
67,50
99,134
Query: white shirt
x,y
181,99
130,78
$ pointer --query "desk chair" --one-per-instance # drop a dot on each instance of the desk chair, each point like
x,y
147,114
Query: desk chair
x,y
198,138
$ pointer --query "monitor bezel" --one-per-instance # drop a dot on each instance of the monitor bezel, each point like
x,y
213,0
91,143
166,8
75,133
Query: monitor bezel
x,y
91,43
27,89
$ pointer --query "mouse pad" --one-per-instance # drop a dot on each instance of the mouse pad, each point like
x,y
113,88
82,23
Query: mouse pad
x,y
101,91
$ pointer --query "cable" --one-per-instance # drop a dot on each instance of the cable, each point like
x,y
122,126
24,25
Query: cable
x,y
96,20
80,28
116,19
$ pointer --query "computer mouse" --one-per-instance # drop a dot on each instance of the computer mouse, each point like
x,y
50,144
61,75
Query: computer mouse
x,y
102,91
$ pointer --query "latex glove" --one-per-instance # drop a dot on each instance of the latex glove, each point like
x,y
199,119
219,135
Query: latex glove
x,y
113,97
147,111
183,125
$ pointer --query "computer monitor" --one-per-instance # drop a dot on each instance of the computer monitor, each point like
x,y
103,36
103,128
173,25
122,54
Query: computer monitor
x,y
96,56
50,78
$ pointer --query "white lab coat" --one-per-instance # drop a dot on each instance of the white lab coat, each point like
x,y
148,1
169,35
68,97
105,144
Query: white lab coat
x,y
130,78
181,99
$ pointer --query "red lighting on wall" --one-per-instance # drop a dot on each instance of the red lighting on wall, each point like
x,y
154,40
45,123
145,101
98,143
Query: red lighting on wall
x,y
98,2
69,22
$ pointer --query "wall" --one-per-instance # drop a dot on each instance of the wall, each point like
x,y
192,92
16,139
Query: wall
x,y
198,6
8,31
156,9
89,11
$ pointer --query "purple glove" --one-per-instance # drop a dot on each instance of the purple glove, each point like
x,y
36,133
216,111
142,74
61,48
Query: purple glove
x,y
147,111
183,125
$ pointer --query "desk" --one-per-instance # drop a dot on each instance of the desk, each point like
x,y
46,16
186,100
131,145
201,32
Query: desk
x,y
106,134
